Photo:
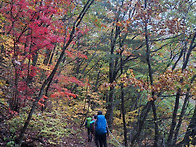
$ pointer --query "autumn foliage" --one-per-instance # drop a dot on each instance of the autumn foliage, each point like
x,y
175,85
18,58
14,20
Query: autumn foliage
x,y
133,59
35,29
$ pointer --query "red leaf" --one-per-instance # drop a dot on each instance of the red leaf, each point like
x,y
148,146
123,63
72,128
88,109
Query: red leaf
x,y
40,104
70,94
41,100
70,54
54,95
82,55
45,97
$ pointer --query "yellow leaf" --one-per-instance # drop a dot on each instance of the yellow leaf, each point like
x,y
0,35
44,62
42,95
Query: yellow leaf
x,y
44,67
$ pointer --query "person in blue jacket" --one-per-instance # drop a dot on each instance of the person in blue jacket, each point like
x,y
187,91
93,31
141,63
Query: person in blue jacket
x,y
101,130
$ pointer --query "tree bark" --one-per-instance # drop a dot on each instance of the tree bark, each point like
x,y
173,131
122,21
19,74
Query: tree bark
x,y
123,103
112,77
181,117
140,122
173,124
110,108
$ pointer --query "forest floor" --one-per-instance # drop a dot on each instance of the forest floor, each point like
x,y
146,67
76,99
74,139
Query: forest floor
x,y
83,140
73,140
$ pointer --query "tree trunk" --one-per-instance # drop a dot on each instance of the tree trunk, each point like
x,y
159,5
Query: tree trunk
x,y
173,124
156,138
123,115
47,58
110,108
181,117
112,77
150,73
123,102
141,120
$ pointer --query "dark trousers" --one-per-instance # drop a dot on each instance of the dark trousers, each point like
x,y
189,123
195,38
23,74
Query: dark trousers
x,y
96,140
101,139
89,135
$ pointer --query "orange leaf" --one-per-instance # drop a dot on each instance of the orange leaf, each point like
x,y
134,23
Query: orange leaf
x,y
119,24
103,25
45,97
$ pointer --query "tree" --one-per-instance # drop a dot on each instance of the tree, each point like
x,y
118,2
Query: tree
x,y
32,26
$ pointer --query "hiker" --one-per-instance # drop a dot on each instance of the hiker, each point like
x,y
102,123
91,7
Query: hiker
x,y
87,125
101,130
92,126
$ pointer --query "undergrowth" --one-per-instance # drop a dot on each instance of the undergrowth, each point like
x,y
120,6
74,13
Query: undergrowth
x,y
61,124
49,127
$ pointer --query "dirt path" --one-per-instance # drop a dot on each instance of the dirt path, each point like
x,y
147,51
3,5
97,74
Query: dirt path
x,y
89,144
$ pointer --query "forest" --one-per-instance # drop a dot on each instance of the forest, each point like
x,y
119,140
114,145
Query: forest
x,y
61,61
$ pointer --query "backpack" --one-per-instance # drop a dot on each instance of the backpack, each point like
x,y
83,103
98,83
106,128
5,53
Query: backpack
x,y
101,124
88,120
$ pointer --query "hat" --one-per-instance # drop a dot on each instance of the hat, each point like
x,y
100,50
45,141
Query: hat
x,y
95,116
99,113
